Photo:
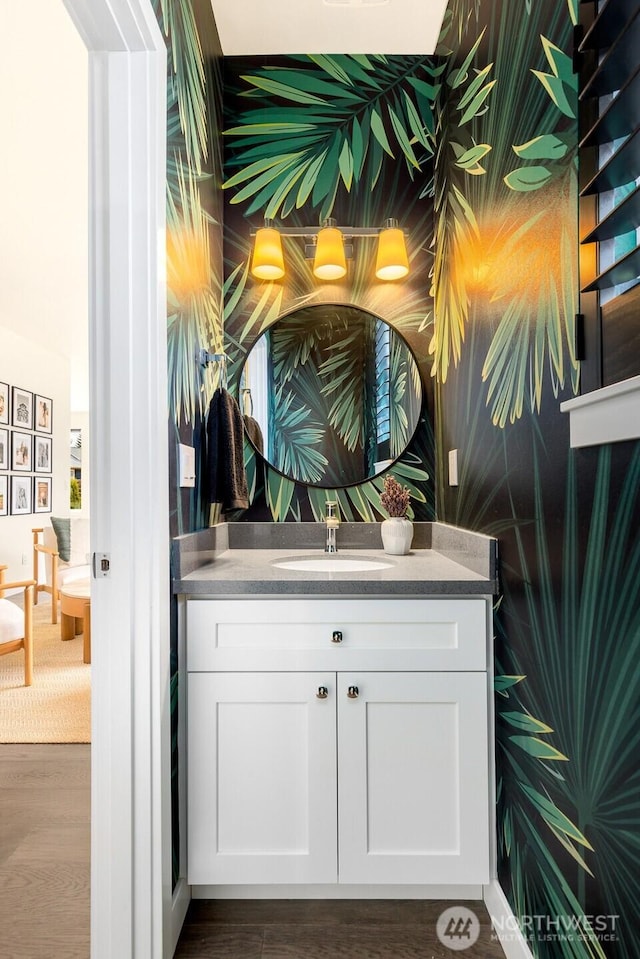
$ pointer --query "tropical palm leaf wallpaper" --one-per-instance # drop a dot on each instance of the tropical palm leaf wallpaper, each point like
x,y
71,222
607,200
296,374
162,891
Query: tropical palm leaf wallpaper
x,y
194,272
474,151
568,617
194,230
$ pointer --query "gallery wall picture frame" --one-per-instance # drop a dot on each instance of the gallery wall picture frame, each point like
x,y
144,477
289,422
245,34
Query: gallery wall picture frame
x,y
5,397
20,495
4,495
41,494
4,449
43,414
42,454
21,451
21,408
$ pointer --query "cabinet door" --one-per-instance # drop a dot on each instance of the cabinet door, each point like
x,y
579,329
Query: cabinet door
x,y
262,778
413,778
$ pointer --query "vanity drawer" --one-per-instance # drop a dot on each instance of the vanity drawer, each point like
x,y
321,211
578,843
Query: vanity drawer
x,y
336,634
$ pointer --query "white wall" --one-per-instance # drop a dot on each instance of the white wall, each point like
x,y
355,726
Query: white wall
x,y
43,232
44,173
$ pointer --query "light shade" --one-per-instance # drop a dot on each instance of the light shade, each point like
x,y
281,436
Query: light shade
x,y
267,262
392,262
330,261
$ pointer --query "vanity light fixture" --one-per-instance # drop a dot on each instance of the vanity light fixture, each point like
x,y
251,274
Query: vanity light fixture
x,y
267,262
330,245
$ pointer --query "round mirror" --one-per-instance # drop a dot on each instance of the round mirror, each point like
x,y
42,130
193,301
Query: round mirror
x,y
332,395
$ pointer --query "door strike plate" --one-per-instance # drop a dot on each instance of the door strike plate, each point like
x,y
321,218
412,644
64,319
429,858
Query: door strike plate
x,y
101,565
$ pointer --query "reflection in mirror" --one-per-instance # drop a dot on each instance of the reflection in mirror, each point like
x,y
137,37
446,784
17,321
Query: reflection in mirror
x,y
335,393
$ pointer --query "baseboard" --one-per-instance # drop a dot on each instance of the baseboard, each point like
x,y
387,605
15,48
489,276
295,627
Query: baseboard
x,y
505,924
337,891
179,906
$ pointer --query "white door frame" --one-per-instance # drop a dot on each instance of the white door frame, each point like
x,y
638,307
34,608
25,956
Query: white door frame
x,y
131,900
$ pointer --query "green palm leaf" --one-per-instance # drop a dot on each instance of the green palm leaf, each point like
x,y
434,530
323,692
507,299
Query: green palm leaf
x,y
279,492
193,302
502,683
524,720
186,80
295,343
461,98
534,337
341,372
538,748
326,121
296,436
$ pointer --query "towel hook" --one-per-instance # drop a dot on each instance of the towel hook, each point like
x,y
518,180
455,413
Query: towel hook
x,y
205,358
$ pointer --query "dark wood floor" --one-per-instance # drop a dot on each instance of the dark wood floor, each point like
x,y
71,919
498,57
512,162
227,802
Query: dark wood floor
x,y
44,888
45,796
322,929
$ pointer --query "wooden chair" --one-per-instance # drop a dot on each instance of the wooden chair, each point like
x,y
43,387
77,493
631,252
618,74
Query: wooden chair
x,y
16,625
57,572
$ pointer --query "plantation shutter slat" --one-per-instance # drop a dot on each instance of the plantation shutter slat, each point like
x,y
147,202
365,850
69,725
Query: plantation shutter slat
x,y
622,219
606,25
609,160
618,170
625,270
621,117
618,63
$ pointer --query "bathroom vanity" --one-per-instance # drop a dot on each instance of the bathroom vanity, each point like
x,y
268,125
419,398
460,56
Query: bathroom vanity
x,y
338,721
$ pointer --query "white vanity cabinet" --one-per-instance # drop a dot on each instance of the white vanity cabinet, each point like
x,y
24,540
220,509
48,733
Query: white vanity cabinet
x,y
337,741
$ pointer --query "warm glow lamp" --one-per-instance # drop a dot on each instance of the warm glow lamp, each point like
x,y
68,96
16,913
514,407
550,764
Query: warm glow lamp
x,y
330,262
392,262
330,245
267,262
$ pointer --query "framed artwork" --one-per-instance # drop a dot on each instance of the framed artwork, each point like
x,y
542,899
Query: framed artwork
x,y
42,454
4,495
22,408
21,451
44,414
4,403
20,495
4,449
41,494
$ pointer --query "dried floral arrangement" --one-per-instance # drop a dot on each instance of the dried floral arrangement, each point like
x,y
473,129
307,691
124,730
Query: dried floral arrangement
x,y
395,497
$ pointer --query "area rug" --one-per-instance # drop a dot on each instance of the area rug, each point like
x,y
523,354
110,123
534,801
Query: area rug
x,y
57,707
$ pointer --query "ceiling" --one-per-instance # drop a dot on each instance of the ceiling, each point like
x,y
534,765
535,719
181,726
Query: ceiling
x,y
258,27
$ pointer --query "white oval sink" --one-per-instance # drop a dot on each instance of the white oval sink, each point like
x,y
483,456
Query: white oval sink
x,y
332,564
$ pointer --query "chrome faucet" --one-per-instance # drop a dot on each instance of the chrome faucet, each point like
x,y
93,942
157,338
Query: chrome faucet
x,y
332,523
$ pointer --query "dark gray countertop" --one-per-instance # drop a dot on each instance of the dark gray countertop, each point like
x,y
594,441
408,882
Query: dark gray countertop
x,y
250,572
454,563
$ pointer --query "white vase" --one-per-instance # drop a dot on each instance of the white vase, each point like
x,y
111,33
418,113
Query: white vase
x,y
397,533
